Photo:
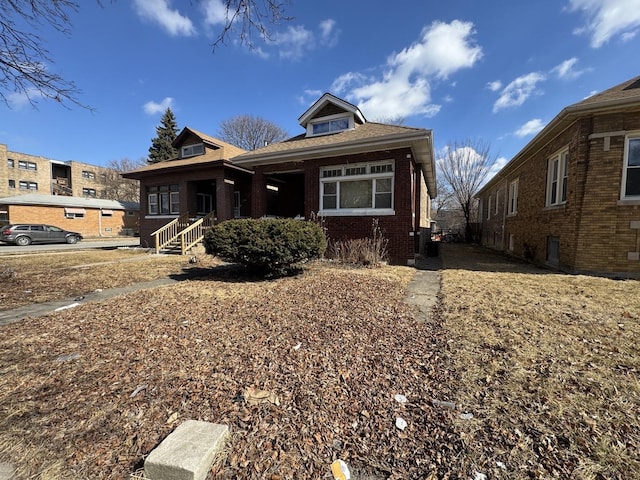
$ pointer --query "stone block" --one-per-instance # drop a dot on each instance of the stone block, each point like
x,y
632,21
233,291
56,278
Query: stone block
x,y
187,453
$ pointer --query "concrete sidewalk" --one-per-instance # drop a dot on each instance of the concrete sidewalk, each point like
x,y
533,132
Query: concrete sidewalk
x,y
424,288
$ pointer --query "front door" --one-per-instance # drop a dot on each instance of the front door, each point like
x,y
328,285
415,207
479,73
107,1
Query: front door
x,y
205,203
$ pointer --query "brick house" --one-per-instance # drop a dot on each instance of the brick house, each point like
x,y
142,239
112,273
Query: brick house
x,y
92,217
570,198
342,168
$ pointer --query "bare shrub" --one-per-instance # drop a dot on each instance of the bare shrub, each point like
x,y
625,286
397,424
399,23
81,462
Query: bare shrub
x,y
369,252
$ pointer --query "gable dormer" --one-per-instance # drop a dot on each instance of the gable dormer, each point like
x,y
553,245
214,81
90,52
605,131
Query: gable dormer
x,y
191,143
330,114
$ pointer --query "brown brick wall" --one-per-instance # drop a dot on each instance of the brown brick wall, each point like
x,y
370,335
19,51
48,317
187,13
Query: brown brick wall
x,y
42,176
89,226
397,228
592,227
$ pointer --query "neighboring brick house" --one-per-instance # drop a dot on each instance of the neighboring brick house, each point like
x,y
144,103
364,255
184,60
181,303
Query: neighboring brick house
x,y
21,174
342,168
571,197
91,217
199,181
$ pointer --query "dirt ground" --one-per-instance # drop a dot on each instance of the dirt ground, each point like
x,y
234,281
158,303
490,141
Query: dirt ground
x,y
542,370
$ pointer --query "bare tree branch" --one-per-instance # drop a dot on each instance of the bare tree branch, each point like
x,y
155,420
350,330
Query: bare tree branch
x,y
249,132
24,62
122,189
464,166
249,16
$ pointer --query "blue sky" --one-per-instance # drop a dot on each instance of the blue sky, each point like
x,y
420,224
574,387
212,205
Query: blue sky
x,y
496,71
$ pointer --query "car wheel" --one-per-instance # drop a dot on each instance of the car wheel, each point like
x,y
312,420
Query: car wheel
x,y
72,239
23,241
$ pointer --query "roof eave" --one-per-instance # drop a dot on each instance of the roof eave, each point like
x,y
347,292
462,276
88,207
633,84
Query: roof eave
x,y
559,123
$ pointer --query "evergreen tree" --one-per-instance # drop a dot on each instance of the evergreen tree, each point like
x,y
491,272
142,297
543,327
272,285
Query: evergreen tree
x,y
161,146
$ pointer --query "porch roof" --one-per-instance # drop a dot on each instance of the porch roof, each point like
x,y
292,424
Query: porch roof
x,y
367,137
209,160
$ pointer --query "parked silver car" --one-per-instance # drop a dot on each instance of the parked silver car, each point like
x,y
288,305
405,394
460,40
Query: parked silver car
x,y
26,234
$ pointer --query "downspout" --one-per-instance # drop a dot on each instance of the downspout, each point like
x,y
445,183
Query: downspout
x,y
100,223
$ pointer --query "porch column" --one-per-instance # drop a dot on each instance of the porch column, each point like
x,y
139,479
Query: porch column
x,y
258,195
224,199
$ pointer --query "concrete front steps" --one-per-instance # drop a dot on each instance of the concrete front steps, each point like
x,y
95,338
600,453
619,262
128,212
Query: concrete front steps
x,y
187,453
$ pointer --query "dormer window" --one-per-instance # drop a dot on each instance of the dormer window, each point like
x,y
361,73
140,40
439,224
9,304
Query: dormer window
x,y
326,125
192,150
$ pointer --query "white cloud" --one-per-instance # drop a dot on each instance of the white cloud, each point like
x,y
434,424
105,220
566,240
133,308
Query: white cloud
x,y
496,166
518,91
443,49
530,128
293,41
151,107
328,32
215,12
19,100
404,88
566,70
495,85
159,11
606,19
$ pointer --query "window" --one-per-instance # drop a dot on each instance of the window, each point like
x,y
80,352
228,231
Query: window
x,y
553,250
330,125
557,179
28,185
106,212
89,175
12,184
163,200
88,192
512,207
356,188
191,150
236,204
23,165
631,172
11,163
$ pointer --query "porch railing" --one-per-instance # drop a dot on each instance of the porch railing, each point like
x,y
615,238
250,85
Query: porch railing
x,y
195,232
168,233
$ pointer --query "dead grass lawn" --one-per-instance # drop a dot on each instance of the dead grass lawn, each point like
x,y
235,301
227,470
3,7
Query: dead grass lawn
x,y
548,364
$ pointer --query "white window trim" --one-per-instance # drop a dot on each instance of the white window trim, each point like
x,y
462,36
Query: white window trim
x,y
329,118
189,148
625,166
562,157
512,205
338,212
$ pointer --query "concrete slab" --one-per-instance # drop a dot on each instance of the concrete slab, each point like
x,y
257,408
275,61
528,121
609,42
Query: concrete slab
x,y
187,453
6,471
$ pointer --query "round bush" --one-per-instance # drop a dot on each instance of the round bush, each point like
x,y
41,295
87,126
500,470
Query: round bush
x,y
269,245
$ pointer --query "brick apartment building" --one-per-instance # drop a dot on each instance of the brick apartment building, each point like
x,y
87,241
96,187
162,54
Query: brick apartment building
x,y
570,198
21,173
342,168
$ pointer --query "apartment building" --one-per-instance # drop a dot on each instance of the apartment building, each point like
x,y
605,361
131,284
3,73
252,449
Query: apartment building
x,y
21,173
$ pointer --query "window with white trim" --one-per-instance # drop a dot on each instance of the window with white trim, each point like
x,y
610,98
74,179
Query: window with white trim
x,y
631,172
557,176
28,185
361,188
512,205
24,165
163,200
89,192
331,124
192,150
